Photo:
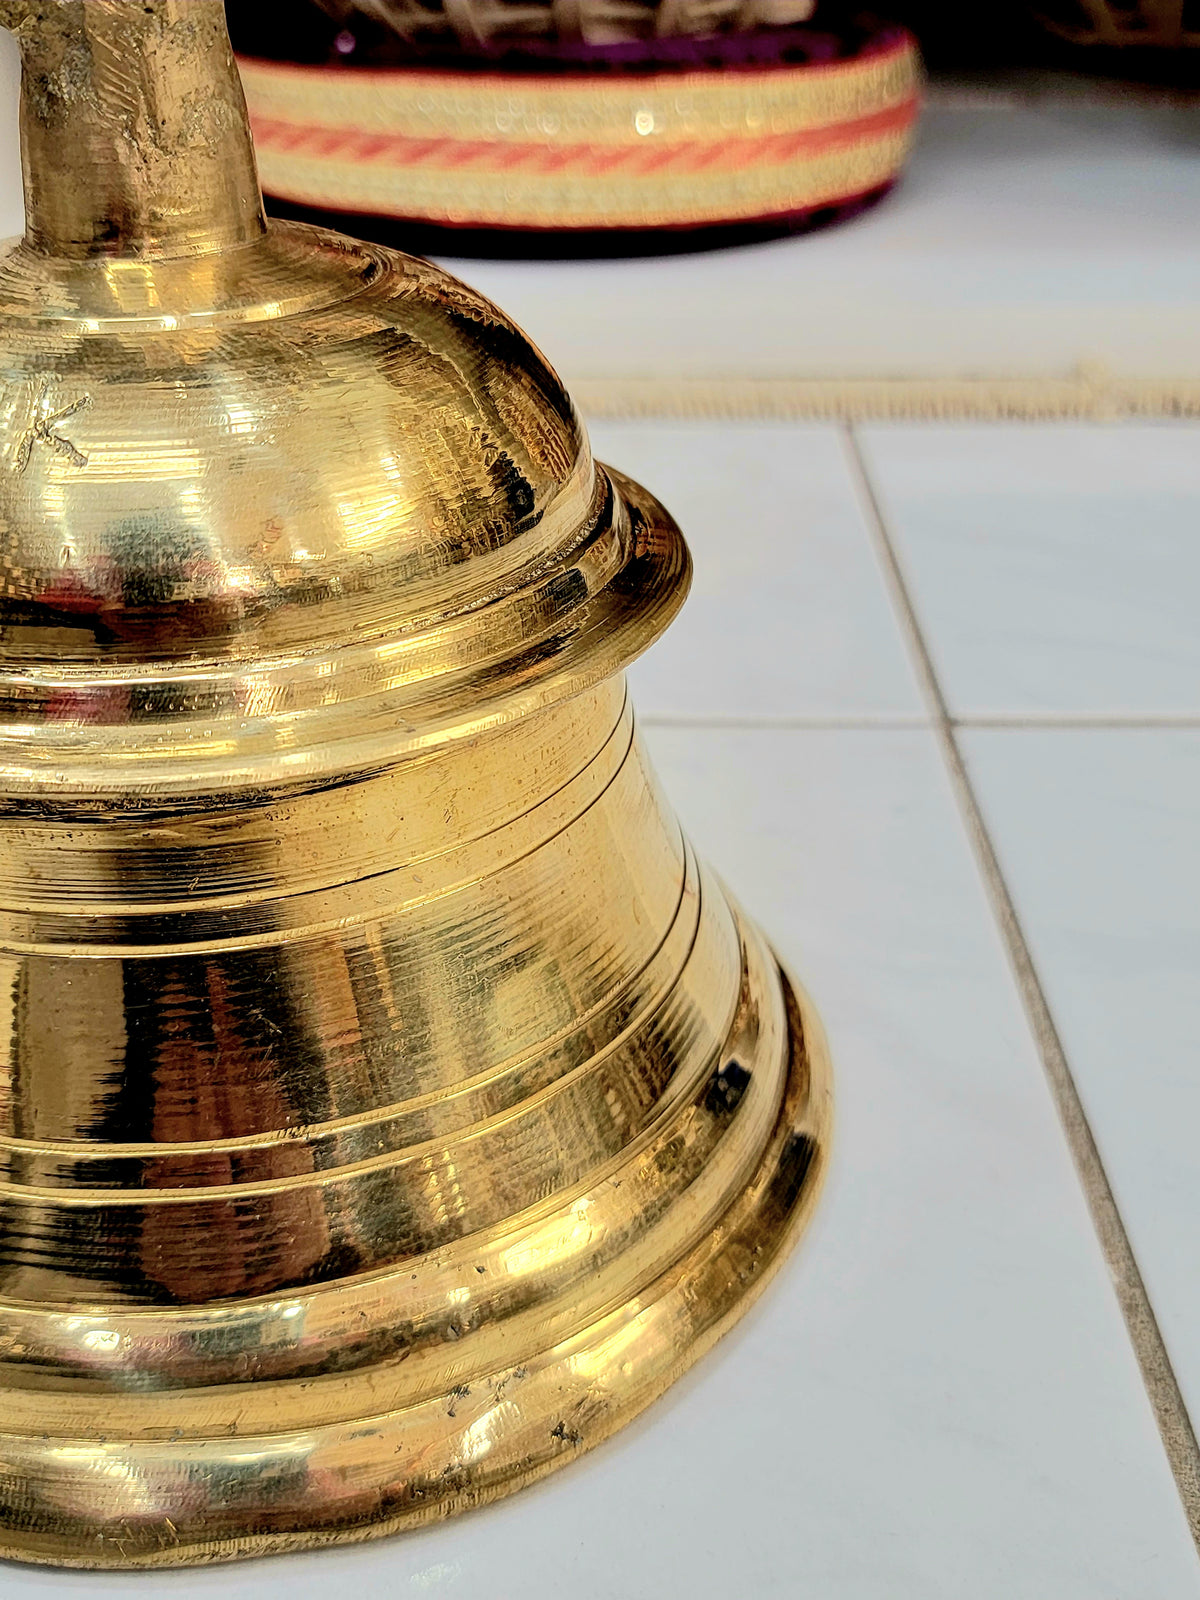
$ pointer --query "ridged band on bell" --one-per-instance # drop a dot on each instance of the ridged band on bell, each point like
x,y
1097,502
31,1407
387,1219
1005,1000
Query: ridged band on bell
x,y
390,1106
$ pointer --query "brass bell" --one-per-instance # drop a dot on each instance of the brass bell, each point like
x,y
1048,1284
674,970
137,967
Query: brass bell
x,y
391,1106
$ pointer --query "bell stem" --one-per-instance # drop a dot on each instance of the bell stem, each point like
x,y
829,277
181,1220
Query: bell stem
x,y
134,137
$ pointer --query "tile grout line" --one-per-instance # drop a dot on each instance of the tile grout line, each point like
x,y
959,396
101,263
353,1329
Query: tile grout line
x,y
835,722
888,721
1080,721
1162,1386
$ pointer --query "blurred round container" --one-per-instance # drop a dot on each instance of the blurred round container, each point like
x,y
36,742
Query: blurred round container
x,y
767,128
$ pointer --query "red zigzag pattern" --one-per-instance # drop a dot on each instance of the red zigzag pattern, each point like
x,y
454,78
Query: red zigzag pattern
x,y
549,156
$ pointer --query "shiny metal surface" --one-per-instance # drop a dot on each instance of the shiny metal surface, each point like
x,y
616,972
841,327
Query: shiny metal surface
x,y
390,1105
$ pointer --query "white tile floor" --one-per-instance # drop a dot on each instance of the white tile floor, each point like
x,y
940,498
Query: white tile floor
x,y
770,509
940,1397
1056,569
1020,243
1097,832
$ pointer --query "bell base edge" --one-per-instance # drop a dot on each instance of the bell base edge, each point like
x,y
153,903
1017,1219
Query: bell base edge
x,y
464,1450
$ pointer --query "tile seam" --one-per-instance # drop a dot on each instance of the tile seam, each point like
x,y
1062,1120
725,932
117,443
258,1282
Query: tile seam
x,y
784,723
1153,722
1090,393
1162,1387
857,722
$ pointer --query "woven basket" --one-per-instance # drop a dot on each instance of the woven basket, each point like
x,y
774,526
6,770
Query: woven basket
x,y
482,22
744,129
1169,24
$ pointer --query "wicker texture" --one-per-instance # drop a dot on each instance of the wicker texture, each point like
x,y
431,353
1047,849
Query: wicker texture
x,y
554,151
1164,23
478,22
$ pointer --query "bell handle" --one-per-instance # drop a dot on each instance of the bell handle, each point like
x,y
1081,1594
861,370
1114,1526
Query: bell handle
x,y
134,136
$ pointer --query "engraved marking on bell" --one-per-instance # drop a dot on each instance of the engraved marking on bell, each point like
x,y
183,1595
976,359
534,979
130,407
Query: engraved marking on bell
x,y
42,426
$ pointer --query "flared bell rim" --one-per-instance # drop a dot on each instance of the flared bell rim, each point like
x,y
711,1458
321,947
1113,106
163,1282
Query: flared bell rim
x,y
359,707
566,1399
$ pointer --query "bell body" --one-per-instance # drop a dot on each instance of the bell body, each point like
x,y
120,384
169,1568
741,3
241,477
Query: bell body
x,y
422,1149
390,1104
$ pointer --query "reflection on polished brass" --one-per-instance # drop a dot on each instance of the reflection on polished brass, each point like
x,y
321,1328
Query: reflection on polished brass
x,y
390,1105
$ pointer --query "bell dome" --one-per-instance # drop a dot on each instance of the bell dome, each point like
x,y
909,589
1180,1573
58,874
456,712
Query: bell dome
x,y
305,476
251,470
337,440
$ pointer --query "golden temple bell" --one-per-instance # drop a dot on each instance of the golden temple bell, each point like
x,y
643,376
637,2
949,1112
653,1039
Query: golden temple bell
x,y
391,1106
